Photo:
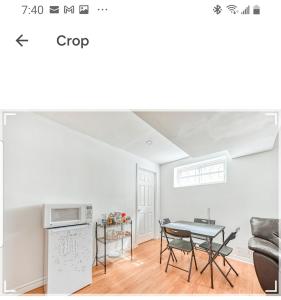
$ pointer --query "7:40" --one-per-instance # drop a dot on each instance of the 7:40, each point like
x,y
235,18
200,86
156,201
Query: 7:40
x,y
35,9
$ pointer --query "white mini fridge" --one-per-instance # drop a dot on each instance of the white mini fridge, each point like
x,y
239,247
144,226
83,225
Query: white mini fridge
x,y
68,258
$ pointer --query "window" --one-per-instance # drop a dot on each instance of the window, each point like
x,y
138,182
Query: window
x,y
204,172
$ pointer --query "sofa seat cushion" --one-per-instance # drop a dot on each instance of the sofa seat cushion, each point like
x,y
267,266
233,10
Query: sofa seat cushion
x,y
265,247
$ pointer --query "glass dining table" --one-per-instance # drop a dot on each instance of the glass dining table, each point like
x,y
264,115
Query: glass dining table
x,y
208,231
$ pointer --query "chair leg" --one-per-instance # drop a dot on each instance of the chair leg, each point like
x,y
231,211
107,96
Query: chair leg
x,y
168,261
174,255
205,267
190,267
231,267
223,274
162,251
161,246
193,253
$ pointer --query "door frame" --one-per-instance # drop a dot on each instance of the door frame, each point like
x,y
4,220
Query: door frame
x,y
138,167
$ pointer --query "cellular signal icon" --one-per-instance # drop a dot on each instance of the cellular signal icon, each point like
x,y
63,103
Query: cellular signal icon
x,y
233,9
246,11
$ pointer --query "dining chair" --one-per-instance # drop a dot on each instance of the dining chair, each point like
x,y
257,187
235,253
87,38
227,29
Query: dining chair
x,y
197,239
221,250
180,243
162,222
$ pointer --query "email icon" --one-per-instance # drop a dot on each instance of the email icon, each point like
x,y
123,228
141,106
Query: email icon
x,y
54,9
69,9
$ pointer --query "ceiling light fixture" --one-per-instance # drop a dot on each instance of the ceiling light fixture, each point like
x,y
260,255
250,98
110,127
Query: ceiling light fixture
x,y
148,142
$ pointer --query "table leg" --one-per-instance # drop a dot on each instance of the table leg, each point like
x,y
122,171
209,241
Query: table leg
x,y
96,244
122,241
223,242
161,245
131,240
211,261
104,249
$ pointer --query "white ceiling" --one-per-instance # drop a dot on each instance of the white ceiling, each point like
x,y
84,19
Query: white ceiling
x,y
174,134
124,130
202,133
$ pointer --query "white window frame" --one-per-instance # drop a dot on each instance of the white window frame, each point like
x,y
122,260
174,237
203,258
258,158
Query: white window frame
x,y
198,166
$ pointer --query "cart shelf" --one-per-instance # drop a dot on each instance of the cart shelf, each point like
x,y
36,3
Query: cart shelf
x,y
105,239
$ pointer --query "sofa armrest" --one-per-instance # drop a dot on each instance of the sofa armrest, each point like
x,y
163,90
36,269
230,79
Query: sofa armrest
x,y
265,247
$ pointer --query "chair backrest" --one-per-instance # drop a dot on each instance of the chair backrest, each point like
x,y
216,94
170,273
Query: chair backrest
x,y
164,221
177,233
204,221
231,236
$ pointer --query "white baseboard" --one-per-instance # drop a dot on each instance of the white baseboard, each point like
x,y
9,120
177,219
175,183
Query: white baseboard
x,y
242,254
244,259
29,286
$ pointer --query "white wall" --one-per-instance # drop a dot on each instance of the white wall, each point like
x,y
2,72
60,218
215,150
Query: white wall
x,y
46,162
251,190
1,203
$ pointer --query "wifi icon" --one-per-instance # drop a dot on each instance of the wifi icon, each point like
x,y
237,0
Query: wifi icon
x,y
232,8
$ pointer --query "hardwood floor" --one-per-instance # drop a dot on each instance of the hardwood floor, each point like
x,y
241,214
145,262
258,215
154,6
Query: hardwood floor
x,y
144,275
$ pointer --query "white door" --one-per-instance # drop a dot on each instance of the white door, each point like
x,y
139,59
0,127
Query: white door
x,y
145,205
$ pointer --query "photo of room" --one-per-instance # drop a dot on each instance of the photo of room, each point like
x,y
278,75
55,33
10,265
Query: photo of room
x,y
140,202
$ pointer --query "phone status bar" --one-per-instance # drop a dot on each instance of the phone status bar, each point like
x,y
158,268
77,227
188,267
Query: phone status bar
x,y
83,9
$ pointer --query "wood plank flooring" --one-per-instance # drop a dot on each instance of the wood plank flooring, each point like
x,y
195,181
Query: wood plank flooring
x,y
144,275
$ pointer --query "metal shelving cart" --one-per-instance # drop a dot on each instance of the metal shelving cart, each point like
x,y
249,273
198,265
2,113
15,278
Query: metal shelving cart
x,y
104,239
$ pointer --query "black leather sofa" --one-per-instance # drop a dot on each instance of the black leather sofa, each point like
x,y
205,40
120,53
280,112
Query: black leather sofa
x,y
266,252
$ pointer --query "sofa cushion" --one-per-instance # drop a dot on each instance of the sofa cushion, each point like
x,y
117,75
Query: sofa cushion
x,y
265,228
265,247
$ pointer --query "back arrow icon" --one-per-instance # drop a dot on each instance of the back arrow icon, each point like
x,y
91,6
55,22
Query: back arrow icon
x,y
19,40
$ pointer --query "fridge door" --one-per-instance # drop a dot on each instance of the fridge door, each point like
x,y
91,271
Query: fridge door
x,y
68,263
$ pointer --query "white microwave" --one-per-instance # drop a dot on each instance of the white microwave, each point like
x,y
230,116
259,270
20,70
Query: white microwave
x,y
58,215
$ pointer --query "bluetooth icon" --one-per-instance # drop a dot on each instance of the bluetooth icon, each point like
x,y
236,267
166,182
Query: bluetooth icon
x,y
217,9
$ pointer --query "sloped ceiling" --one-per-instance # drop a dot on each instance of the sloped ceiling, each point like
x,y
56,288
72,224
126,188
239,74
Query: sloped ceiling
x,y
174,134
202,133
124,130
